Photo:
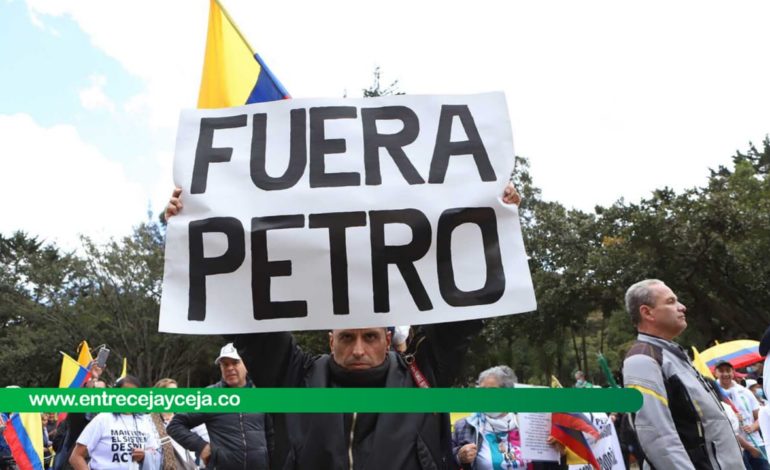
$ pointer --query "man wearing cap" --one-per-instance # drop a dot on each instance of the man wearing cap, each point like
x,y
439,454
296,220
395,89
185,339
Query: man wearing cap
x,y
237,440
748,414
681,424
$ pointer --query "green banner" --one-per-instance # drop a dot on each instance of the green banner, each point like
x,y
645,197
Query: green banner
x,y
320,400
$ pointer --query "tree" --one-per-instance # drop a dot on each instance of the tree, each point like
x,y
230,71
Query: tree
x,y
376,89
38,288
124,306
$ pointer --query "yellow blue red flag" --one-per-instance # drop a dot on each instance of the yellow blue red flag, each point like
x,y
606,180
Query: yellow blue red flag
x,y
24,434
72,375
568,429
233,74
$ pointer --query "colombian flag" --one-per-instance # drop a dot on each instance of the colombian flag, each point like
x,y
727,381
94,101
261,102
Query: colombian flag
x,y
24,434
568,429
73,375
233,74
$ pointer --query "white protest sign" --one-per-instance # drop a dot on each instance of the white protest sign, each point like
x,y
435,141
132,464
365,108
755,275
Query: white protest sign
x,y
343,213
606,449
535,429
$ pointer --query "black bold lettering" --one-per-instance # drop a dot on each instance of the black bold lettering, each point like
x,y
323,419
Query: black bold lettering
x,y
205,153
263,270
403,256
393,143
297,153
494,286
320,146
445,148
337,222
201,267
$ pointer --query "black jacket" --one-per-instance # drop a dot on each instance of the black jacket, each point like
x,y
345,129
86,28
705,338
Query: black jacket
x,y
379,441
239,441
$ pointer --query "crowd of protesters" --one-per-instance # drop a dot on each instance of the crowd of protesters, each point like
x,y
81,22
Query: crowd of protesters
x,y
720,426
686,422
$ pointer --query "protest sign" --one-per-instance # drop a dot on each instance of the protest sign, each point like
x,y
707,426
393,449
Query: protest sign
x,y
606,449
343,213
535,429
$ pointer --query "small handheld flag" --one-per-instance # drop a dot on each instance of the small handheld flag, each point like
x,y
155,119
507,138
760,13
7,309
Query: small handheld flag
x,y
73,375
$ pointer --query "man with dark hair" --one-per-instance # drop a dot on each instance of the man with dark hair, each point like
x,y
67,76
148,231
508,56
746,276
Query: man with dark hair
x,y
360,357
681,423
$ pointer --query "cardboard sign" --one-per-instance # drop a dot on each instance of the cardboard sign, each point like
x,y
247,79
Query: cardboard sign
x,y
343,213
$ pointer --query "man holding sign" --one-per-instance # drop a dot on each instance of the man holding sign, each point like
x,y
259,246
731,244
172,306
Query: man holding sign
x,y
366,213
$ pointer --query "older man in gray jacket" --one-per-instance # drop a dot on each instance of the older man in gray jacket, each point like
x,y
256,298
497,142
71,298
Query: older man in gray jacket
x,y
681,424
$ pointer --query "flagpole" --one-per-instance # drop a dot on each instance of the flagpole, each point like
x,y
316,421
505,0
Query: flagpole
x,y
235,26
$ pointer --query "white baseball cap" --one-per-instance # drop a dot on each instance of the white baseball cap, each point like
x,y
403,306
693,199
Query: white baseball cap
x,y
228,350
750,383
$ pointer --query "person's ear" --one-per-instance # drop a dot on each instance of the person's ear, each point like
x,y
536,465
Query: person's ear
x,y
331,342
645,313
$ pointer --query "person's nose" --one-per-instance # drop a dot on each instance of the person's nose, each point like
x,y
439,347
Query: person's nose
x,y
358,347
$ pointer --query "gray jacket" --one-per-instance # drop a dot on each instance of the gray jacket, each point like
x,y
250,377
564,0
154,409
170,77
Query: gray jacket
x,y
681,423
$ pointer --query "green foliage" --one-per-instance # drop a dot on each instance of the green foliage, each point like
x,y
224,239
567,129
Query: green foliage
x,y
710,244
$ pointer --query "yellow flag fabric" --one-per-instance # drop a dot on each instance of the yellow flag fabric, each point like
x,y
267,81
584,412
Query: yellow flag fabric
x,y
230,70
33,425
125,368
84,354
555,382
72,374
455,417
700,364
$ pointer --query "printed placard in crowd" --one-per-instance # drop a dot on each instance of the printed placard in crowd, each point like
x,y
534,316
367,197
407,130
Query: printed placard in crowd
x,y
606,449
344,213
535,429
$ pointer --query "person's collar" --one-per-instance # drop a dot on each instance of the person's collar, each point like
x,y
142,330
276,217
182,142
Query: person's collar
x,y
248,384
655,336
374,377
663,342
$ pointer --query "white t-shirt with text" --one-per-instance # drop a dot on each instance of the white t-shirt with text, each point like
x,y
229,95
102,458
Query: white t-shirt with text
x,y
110,439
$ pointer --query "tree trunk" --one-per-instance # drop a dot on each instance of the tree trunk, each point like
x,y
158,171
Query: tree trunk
x,y
574,345
585,351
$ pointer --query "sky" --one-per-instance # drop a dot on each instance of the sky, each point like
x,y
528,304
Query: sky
x,y
607,99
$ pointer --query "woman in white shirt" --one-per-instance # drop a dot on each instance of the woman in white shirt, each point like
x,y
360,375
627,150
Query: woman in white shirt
x,y
117,440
